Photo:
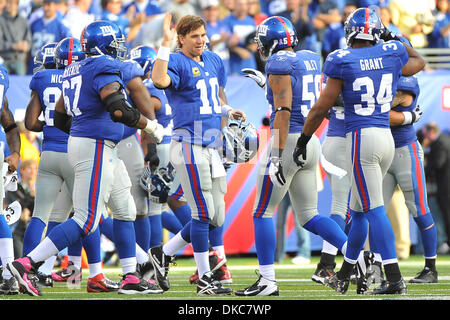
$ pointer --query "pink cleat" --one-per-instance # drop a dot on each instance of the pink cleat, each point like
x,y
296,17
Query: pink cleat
x,y
23,269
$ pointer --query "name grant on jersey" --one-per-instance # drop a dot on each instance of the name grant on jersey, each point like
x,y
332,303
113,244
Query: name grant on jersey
x,y
371,64
71,70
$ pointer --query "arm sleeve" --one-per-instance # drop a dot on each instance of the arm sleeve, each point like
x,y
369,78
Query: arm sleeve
x,y
333,67
173,72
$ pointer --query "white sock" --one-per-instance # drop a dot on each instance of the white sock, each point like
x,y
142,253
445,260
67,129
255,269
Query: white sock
x,y
128,265
267,271
6,255
95,269
48,265
174,245
221,250
202,261
76,260
329,248
43,251
141,255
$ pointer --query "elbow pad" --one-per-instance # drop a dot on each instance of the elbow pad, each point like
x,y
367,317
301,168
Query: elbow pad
x,y
117,102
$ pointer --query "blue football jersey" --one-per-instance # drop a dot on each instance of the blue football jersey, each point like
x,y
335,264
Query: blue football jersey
x,y
48,84
82,82
404,135
194,98
130,69
164,114
304,68
370,77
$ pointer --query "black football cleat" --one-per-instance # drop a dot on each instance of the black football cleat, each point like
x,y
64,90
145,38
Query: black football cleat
x,y
339,285
322,272
427,275
386,287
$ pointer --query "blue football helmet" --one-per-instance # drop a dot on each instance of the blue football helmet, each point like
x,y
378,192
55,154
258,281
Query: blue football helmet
x,y
159,187
67,51
144,55
45,58
273,34
363,24
240,141
103,38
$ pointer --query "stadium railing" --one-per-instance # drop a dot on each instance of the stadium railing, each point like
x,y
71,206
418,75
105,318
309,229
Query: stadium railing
x,y
436,58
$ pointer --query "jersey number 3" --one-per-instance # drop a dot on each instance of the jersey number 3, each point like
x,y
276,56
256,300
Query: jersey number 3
x,y
383,98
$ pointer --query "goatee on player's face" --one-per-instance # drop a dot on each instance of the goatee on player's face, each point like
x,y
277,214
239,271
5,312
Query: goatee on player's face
x,y
194,42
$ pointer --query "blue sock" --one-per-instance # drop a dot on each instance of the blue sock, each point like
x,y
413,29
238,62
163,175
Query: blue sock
x,y
33,235
156,230
125,239
200,235
186,232
170,222
75,248
339,220
382,233
357,235
327,229
65,234
50,226
265,240
91,245
5,231
183,214
215,236
428,234
106,228
142,229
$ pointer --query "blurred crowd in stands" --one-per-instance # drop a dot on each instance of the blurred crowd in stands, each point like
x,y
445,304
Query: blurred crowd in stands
x,y
26,25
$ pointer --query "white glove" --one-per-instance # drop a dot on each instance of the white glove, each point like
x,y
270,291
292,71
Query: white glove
x,y
256,75
276,172
155,130
145,180
12,212
412,116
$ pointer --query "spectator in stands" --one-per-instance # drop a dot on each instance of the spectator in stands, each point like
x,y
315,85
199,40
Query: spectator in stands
x,y
334,37
414,18
216,31
254,11
225,8
112,11
297,12
241,45
49,28
323,13
386,19
15,38
30,144
2,5
25,195
438,165
183,7
139,12
274,7
440,36
78,17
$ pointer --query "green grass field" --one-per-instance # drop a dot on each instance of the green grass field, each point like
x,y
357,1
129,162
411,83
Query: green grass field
x,y
294,283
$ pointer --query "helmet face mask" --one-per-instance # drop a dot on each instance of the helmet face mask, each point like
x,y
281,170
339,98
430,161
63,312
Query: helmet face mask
x,y
274,34
240,141
363,24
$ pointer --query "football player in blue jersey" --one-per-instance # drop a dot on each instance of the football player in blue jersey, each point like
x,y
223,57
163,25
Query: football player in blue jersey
x,y
293,85
55,171
367,93
407,171
9,284
194,82
94,110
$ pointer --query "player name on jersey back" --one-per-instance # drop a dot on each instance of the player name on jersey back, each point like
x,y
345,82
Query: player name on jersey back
x,y
71,70
371,64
